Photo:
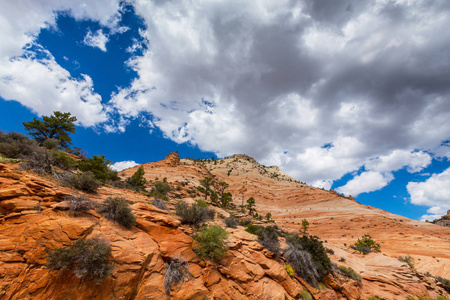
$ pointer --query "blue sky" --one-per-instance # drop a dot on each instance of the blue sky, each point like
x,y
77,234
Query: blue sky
x,y
348,95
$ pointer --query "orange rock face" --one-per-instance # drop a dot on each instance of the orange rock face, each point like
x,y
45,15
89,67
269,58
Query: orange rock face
x,y
34,220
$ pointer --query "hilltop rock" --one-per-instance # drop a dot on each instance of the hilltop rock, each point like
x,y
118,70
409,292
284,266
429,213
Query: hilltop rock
x,y
172,159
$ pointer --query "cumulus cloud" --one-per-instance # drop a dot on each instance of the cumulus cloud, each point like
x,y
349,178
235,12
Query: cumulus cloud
x,y
29,74
122,165
96,39
366,182
318,88
434,193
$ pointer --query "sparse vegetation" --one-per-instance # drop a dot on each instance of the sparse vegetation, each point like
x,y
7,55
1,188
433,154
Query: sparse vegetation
x,y
99,166
87,258
159,203
444,281
79,204
177,271
137,180
289,270
268,237
211,242
350,273
251,206
366,245
16,145
407,259
308,257
231,222
306,295
84,182
193,214
305,225
118,210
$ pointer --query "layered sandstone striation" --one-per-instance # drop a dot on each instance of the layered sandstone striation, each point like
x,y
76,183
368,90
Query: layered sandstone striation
x,y
34,220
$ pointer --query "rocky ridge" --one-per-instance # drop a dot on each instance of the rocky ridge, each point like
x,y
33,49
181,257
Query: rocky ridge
x,y
34,219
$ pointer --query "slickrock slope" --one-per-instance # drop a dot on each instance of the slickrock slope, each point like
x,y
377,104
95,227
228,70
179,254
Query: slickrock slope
x,y
338,220
34,220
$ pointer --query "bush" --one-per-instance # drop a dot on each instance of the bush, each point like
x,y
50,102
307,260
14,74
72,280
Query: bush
x,y
307,256
162,187
16,145
444,281
350,273
86,258
366,244
211,242
62,160
39,161
79,204
231,222
194,214
407,259
306,295
99,166
177,271
253,229
118,210
84,182
159,203
289,270
329,251
138,180
268,237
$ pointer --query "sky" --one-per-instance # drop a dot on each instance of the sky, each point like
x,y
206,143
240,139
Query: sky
x,y
346,95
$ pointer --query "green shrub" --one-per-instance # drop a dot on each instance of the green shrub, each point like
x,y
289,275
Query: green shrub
x,y
375,298
177,271
51,144
444,281
86,258
16,145
62,160
306,295
289,270
365,243
79,204
99,166
231,222
350,273
137,179
118,210
202,203
268,237
253,229
308,257
162,187
407,259
193,214
211,242
85,182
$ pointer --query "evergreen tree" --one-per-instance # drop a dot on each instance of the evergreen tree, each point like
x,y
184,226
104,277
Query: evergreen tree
x,y
58,126
138,179
251,206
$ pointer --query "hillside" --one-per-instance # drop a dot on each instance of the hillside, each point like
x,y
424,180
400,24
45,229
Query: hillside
x,y
35,220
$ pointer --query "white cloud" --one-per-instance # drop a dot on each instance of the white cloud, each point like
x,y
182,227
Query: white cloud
x,y
295,76
122,165
44,86
434,193
366,182
96,40
40,83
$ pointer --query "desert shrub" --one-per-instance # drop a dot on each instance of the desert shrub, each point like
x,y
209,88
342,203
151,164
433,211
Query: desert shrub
x,y
177,271
365,243
407,259
86,258
231,222
329,251
84,182
350,273
307,256
211,242
39,161
118,210
245,222
375,298
99,166
137,179
62,160
16,145
162,187
289,270
306,295
193,214
79,204
268,237
51,144
444,281
251,228
202,203
159,203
